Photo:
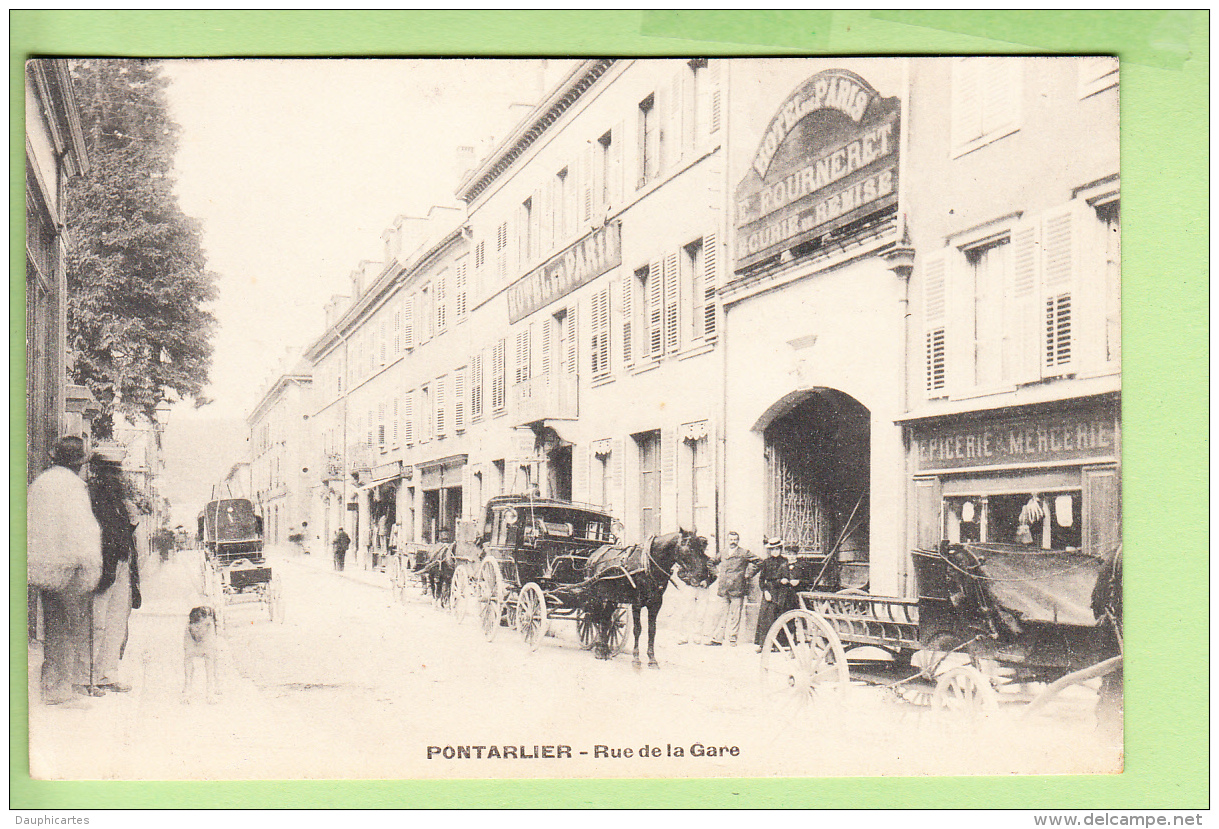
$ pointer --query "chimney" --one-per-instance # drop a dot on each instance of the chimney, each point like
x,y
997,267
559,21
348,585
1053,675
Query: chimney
x,y
334,309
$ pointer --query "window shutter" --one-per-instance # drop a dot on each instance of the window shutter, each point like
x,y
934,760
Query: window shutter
x,y
617,493
617,142
459,400
408,323
714,70
935,315
547,343
572,367
550,217
498,375
628,320
441,410
1000,93
675,104
1059,264
381,426
668,476
395,434
476,387
383,341
586,183
655,300
408,418
599,340
442,304
397,329
966,101
672,338
460,290
1102,513
1021,322
371,431
535,225
927,505
579,473
710,284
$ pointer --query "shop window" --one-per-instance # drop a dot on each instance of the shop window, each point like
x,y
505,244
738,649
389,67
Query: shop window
x,y
1044,520
986,94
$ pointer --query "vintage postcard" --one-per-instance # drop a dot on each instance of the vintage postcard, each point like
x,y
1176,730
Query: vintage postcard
x,y
584,418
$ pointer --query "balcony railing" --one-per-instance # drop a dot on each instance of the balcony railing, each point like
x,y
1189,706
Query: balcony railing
x,y
547,397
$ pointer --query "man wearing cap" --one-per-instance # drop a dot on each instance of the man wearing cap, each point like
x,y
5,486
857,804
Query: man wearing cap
x,y
64,558
777,585
118,592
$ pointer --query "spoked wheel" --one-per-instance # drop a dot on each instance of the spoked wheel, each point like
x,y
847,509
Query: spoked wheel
x,y
619,632
966,691
586,628
275,601
803,662
490,597
459,592
531,618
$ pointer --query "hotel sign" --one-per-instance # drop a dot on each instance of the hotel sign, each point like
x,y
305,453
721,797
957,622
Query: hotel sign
x,y
1033,440
587,259
828,158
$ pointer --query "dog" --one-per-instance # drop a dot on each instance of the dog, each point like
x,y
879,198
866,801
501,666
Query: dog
x,y
201,642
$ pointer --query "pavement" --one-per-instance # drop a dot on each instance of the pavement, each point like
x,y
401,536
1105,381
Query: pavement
x,y
354,683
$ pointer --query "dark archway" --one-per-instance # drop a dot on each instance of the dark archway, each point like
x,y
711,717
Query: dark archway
x,y
818,463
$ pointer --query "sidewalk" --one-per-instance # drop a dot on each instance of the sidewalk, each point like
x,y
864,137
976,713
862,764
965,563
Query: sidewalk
x,y
325,563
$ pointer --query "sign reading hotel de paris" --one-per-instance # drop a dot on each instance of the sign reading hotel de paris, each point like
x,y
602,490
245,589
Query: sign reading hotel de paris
x,y
828,157
580,263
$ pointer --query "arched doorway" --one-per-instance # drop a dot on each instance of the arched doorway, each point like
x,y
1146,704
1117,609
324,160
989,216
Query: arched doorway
x,y
818,446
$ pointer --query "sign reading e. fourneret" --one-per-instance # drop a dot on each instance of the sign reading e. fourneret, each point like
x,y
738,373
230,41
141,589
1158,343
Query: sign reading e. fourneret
x,y
829,157
588,258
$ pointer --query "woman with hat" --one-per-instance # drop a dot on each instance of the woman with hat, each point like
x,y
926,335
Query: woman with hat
x,y
118,592
778,594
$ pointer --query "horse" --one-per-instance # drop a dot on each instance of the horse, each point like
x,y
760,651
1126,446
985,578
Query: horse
x,y
650,567
436,567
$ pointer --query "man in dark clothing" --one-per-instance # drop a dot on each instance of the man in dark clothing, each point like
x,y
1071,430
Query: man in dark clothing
x,y
118,592
778,589
341,542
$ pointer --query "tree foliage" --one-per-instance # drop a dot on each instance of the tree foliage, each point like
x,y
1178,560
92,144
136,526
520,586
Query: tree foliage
x,y
138,285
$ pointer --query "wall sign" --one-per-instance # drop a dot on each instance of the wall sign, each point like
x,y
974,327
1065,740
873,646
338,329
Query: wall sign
x,y
829,157
1043,438
587,259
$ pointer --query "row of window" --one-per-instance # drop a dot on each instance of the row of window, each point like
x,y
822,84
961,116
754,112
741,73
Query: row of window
x,y
1036,299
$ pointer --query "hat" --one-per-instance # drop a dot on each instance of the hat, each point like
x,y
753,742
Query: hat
x,y
68,451
109,452
774,541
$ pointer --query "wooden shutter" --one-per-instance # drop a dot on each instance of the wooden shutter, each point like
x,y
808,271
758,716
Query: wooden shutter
x,y
710,285
1102,511
579,473
381,426
395,432
1000,93
572,351
966,101
408,418
617,493
460,291
547,343
671,304
440,395
459,400
928,526
628,320
522,355
1059,264
668,477
586,183
935,315
442,303
398,328
617,143
408,323
714,79
655,300
674,105
498,375
1022,317
476,387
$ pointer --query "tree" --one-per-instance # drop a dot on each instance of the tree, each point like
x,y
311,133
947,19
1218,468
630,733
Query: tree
x,y
138,285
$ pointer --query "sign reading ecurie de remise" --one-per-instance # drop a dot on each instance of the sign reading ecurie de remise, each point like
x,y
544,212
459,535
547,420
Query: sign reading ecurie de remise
x,y
585,260
828,157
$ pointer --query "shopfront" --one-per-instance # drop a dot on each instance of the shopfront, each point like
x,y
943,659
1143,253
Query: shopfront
x,y
440,486
1045,477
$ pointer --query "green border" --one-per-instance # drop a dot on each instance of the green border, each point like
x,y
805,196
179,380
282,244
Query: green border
x,y
1165,159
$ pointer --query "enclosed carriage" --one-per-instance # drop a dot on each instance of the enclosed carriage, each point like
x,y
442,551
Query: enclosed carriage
x,y
534,568
234,569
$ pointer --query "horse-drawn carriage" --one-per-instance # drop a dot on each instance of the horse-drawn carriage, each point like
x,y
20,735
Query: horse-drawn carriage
x,y
992,623
234,570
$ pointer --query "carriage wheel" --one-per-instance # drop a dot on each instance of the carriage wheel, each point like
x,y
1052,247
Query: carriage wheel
x,y
587,630
620,630
275,601
964,690
490,597
531,618
459,592
803,662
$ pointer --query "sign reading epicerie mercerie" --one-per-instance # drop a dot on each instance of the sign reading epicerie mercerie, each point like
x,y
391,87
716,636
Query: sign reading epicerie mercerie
x,y
829,157
588,258
1036,439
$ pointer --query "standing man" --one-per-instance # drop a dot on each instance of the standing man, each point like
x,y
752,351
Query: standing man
x,y
778,589
699,584
736,570
64,560
341,542
118,592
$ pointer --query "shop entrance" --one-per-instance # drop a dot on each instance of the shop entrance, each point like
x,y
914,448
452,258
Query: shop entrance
x,y
441,509
818,446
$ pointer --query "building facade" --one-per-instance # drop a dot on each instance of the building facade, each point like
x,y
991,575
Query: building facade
x,y
279,450
923,320
54,151
861,304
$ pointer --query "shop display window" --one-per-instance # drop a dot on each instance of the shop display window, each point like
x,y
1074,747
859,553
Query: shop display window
x,y
1046,520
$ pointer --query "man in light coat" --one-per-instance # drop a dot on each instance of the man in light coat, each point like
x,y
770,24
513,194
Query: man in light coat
x,y
64,560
